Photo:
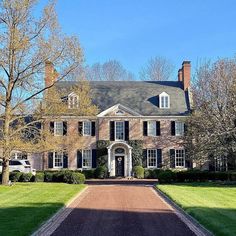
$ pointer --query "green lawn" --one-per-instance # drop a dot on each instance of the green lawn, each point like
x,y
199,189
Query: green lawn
x,y
213,205
24,206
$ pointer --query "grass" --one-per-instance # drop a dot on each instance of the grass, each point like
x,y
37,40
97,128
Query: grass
x,y
213,205
25,206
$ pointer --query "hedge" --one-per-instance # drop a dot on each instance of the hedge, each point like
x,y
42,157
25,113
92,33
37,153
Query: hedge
x,y
138,172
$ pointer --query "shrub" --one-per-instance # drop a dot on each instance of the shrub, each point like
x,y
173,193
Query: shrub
x,y
148,173
39,177
73,177
58,176
15,176
156,173
25,177
138,172
101,172
48,176
89,174
166,176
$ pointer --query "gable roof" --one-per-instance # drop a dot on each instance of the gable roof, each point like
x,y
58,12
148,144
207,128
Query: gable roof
x,y
140,96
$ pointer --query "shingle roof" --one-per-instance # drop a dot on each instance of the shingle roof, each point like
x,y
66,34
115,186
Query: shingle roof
x,y
140,96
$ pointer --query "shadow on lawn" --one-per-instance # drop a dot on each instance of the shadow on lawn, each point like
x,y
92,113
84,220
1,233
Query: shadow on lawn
x,y
23,220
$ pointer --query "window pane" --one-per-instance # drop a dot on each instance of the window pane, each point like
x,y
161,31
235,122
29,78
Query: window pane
x,y
87,158
73,102
152,128
179,128
152,158
87,128
58,159
180,158
119,130
58,128
164,101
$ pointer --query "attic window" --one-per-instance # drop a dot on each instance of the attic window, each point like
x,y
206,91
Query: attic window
x,y
73,101
164,100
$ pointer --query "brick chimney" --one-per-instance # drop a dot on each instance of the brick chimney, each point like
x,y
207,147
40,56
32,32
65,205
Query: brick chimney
x,y
184,74
50,74
180,75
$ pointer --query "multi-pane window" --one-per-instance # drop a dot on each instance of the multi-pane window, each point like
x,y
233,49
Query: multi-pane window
x,y
221,163
119,128
164,100
87,159
58,128
58,159
179,128
179,158
152,128
87,128
73,102
151,158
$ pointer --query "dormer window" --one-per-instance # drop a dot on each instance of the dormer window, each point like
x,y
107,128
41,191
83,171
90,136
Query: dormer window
x,y
164,100
73,101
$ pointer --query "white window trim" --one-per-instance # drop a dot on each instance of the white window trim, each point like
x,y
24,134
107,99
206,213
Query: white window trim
x,y
123,131
151,167
164,94
75,97
90,128
57,167
180,167
91,158
55,128
148,134
176,128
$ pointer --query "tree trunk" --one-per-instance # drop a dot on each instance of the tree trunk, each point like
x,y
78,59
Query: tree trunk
x,y
6,151
5,171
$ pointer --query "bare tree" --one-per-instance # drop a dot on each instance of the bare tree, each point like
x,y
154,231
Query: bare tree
x,y
111,70
212,126
157,69
28,42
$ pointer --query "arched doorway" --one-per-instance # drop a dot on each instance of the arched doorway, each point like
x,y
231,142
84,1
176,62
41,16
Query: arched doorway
x,y
119,159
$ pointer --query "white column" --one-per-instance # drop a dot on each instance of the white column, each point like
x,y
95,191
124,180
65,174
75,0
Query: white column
x,y
109,160
130,162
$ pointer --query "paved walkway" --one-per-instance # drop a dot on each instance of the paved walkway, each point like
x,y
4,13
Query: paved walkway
x,y
117,210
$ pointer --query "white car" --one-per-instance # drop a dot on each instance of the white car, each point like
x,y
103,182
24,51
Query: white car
x,y
16,165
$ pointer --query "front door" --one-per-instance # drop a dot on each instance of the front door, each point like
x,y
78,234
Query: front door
x,y
119,166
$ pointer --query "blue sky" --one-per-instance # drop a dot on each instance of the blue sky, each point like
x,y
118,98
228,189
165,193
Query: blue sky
x,y
132,31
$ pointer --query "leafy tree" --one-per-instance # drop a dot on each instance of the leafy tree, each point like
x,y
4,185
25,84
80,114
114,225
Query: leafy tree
x,y
27,42
212,125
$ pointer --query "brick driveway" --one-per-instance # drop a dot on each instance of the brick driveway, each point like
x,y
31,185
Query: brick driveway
x,y
122,210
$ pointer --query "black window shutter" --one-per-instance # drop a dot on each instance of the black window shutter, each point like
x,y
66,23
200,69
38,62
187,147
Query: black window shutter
x,y
94,154
145,128
185,128
159,158
80,128
50,160
64,128
144,158
188,162
79,159
112,130
158,128
93,128
51,127
172,158
126,130
173,128
65,160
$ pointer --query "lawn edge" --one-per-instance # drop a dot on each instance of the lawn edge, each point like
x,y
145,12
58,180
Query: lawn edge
x,y
189,220
50,225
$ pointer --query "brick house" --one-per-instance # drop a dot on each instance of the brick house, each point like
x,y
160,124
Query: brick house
x,y
151,114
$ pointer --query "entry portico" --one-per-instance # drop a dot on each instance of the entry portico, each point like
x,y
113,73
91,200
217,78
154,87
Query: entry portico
x,y
119,159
